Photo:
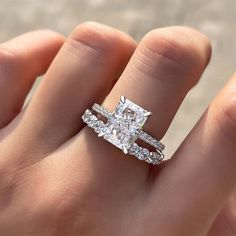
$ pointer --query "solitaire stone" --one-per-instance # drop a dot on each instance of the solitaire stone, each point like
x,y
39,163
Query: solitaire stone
x,y
125,123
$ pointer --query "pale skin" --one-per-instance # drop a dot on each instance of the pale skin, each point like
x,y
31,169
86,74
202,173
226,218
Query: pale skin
x,y
58,178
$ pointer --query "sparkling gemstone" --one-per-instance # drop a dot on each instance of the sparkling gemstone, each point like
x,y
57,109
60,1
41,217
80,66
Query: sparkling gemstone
x,y
92,121
134,150
85,118
141,156
125,123
99,126
86,115
152,158
93,118
146,153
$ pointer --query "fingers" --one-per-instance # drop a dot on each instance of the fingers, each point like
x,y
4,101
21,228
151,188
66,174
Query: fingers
x,y
147,79
202,174
83,71
22,59
166,64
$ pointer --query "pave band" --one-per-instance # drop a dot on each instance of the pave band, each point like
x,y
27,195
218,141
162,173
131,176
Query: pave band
x,y
123,127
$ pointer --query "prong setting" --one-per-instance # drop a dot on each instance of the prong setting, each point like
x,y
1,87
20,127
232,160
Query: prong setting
x,y
101,134
148,113
123,99
125,151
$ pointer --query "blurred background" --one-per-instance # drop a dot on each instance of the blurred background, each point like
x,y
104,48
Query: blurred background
x,y
215,18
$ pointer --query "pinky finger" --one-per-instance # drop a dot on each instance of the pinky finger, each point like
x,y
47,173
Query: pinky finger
x,y
202,174
22,59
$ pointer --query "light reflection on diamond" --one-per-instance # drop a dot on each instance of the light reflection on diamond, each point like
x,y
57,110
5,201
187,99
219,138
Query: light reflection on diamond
x,y
125,124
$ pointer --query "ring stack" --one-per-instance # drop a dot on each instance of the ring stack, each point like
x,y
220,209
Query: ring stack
x,y
123,128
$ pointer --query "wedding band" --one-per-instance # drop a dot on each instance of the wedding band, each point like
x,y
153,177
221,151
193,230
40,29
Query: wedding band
x,y
123,128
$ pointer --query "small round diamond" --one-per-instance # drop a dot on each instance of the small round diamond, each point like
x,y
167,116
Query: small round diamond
x,y
92,121
141,156
134,150
93,118
146,153
151,158
99,126
85,118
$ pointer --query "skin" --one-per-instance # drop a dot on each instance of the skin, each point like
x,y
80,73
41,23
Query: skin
x,y
58,178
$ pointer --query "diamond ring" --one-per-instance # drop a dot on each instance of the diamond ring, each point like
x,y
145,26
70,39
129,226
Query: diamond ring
x,y
123,128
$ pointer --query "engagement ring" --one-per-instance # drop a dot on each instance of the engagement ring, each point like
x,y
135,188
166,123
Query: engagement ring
x,y
123,128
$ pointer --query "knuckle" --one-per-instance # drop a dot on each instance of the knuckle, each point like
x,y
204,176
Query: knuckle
x,y
9,62
176,47
60,208
93,35
223,113
229,113
8,184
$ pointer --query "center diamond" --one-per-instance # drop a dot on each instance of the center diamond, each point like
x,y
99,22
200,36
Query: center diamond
x,y
125,123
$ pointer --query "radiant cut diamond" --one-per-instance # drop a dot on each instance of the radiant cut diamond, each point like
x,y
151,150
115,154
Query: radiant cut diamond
x,y
125,123
123,127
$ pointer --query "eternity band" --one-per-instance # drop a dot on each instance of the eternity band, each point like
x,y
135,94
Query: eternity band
x,y
124,126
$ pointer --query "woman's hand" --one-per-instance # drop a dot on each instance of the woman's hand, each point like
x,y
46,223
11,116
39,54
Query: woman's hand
x,y
58,178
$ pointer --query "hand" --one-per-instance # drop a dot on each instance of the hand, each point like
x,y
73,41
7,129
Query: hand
x,y
58,178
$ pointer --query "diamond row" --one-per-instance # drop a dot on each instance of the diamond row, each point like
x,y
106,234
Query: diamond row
x,y
145,155
142,135
152,141
93,122
139,152
101,110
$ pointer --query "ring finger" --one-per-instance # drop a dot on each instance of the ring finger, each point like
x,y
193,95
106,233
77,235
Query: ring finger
x,y
165,66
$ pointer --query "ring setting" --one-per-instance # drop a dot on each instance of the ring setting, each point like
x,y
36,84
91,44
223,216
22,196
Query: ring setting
x,y
124,127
